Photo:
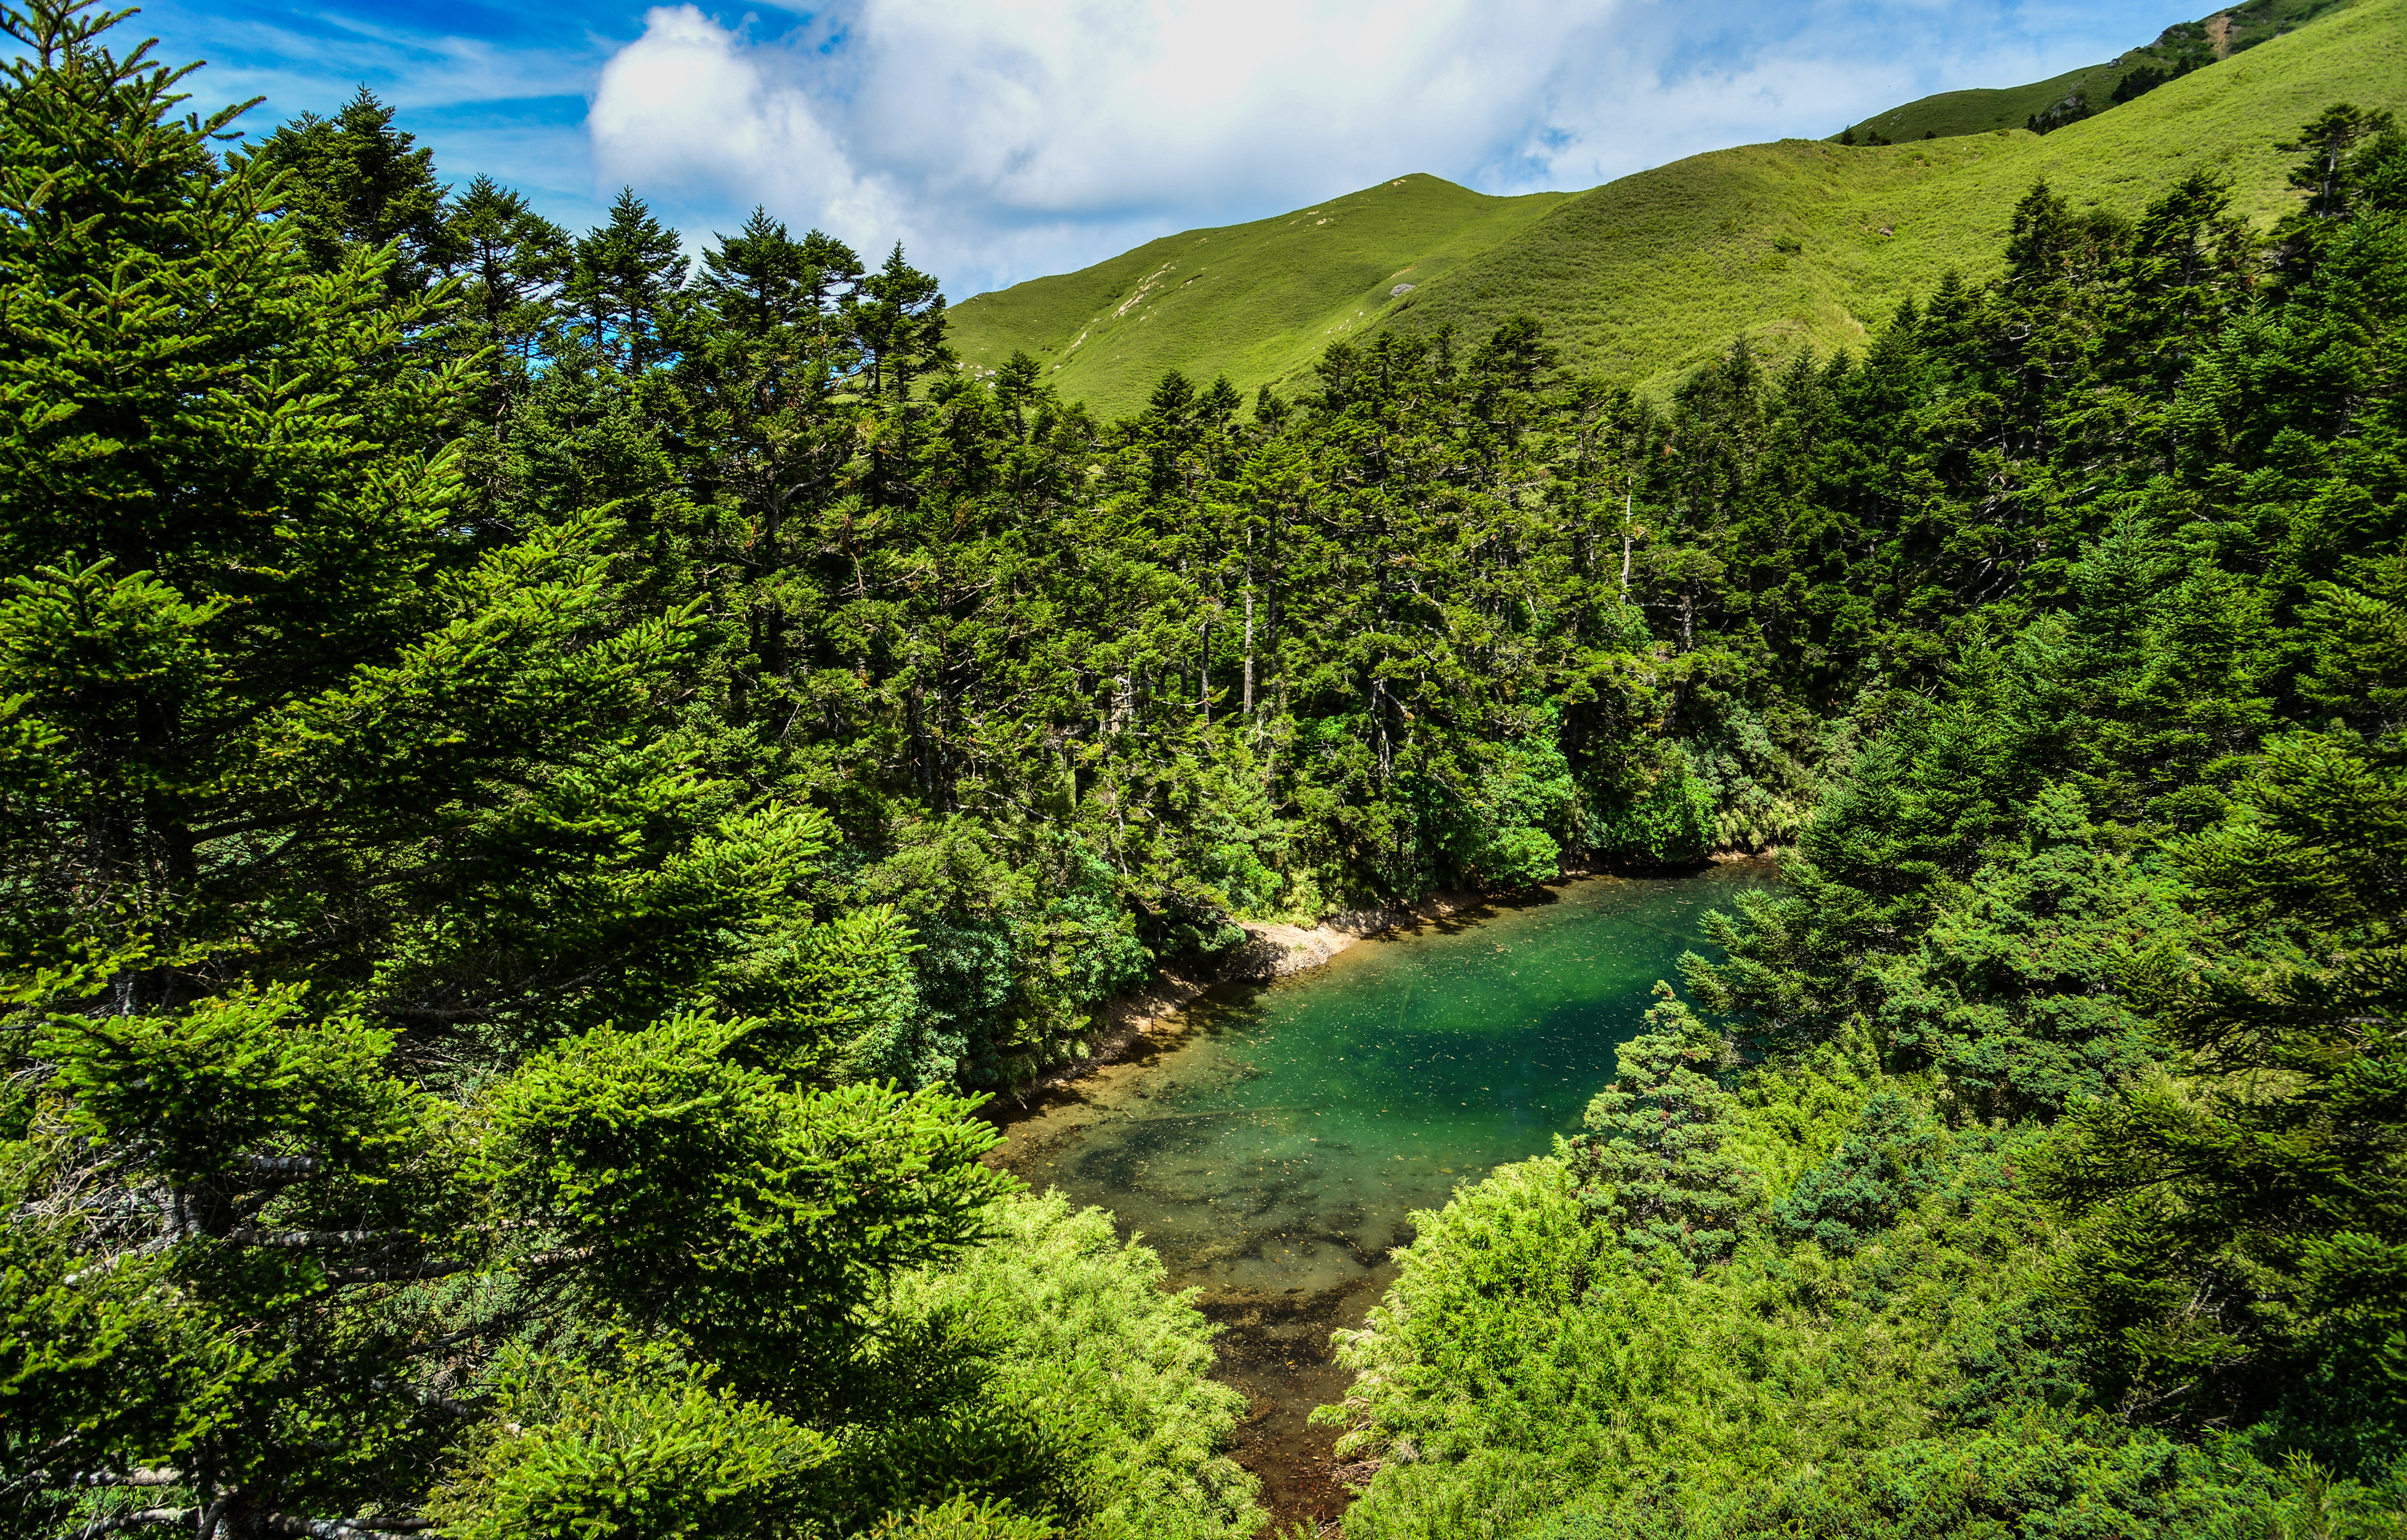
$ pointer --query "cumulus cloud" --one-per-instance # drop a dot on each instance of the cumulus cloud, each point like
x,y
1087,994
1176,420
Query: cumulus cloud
x,y
693,106
999,138
1062,108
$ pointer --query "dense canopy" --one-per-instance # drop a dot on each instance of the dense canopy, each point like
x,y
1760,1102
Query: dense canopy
x,y
541,784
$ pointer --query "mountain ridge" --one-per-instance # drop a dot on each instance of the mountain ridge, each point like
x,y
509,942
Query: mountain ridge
x,y
1362,245
1793,244
2080,93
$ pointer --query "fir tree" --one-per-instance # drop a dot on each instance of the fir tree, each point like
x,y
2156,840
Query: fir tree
x,y
355,180
1648,1161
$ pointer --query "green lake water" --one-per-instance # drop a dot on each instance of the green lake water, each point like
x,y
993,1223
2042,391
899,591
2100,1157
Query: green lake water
x,y
1279,1144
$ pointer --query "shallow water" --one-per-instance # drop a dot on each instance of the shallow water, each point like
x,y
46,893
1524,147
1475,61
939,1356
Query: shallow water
x,y
1282,1144
1274,1147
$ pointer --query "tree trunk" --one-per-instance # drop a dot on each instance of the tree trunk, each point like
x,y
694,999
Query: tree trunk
x,y
1249,706
1629,511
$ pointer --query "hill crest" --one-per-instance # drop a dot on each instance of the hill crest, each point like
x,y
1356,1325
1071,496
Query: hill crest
x,y
1799,243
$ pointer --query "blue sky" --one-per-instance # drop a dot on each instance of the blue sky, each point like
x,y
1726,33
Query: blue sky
x,y
1001,139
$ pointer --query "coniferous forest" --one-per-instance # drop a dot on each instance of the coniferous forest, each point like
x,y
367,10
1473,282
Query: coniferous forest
x,y
542,783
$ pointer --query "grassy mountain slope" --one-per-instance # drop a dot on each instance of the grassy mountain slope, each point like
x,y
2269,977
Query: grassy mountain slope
x,y
1803,242
1957,112
1800,243
1245,300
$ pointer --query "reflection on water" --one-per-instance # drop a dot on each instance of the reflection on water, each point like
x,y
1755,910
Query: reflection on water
x,y
1280,1144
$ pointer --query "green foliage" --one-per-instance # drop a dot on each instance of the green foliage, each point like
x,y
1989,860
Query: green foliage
x,y
1505,838
1073,1331
529,802
1649,1162
234,1079
2065,1067
1041,1385
1881,1169
583,1459
2249,1222
353,182
2042,1475
1515,1370
962,1518
446,1043
1659,814
2001,999
707,1199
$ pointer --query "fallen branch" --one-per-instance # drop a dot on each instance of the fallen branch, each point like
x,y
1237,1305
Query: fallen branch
x,y
299,1240
419,1273
143,1518
343,1529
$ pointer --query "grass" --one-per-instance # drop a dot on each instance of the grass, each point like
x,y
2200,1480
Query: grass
x,y
1245,300
1799,244
1960,112
1953,113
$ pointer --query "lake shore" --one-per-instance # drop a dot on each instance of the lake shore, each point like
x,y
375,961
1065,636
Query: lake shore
x,y
1288,1230
1139,1023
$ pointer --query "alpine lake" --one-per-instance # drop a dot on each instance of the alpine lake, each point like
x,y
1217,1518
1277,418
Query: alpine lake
x,y
1272,1143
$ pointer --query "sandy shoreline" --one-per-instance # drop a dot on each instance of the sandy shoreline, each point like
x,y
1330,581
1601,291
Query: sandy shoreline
x,y
1134,1025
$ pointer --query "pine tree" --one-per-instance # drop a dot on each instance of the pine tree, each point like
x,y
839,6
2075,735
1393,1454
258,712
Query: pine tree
x,y
1648,1161
623,281
2342,145
355,180
2329,142
1885,1165
2246,1251
192,553
900,321
377,940
515,262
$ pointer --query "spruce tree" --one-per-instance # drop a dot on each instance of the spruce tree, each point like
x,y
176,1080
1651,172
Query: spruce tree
x,y
1648,1161
355,180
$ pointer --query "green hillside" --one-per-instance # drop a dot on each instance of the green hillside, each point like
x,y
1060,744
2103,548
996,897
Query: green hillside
x,y
2192,43
1952,113
1803,242
1245,300
1790,244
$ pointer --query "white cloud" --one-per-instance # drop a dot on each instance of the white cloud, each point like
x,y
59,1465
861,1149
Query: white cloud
x,y
1060,108
999,139
692,104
